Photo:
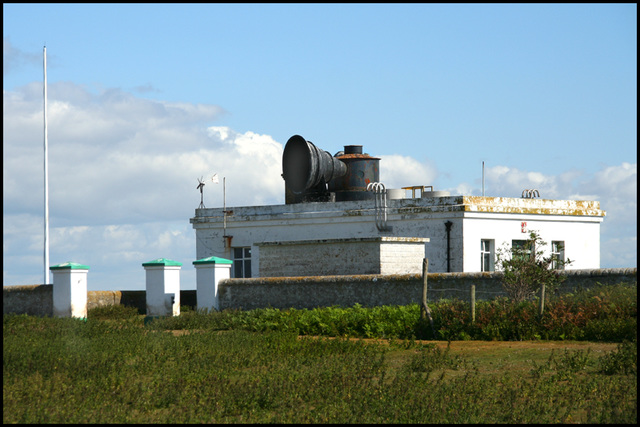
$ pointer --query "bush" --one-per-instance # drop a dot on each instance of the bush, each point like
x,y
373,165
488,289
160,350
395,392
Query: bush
x,y
526,269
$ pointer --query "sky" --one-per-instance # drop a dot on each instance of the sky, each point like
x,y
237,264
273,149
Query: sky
x,y
145,99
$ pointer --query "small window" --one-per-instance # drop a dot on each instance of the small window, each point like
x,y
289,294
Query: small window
x,y
557,251
487,255
241,262
523,248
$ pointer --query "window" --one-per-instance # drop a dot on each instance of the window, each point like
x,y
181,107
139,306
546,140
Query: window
x,y
523,248
486,255
241,262
557,251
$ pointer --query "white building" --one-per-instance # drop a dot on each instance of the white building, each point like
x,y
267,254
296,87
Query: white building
x,y
356,231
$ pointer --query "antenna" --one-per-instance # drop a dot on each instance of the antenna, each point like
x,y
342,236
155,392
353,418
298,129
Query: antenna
x,y
46,175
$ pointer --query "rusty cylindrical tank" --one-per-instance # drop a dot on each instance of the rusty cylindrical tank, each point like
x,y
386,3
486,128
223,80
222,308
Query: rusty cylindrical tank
x,y
361,170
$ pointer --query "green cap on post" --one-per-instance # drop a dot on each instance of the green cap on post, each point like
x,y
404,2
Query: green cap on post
x,y
213,260
161,261
69,266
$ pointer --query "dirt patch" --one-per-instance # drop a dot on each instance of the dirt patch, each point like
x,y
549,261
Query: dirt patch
x,y
491,345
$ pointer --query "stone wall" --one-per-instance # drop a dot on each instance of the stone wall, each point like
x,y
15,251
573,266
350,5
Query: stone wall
x,y
374,290
320,291
37,300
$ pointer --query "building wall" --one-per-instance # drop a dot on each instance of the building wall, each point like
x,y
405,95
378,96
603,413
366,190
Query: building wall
x,y
473,218
375,255
402,257
582,238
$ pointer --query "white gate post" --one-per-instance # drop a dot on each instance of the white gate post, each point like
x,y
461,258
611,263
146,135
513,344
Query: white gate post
x,y
209,272
163,287
70,290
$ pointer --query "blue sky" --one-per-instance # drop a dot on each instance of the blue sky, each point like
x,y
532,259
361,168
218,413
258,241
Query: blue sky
x,y
144,99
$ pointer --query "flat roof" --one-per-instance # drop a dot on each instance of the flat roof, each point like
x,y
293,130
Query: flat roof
x,y
380,239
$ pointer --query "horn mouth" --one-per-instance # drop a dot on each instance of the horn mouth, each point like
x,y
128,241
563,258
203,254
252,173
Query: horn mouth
x,y
296,164
304,165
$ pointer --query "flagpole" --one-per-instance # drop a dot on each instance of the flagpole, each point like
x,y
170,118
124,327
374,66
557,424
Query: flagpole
x,y
46,178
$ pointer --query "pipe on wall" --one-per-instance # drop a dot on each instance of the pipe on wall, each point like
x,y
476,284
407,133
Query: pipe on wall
x,y
448,226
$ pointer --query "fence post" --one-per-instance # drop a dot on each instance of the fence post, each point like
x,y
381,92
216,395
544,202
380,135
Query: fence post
x,y
541,300
424,312
473,303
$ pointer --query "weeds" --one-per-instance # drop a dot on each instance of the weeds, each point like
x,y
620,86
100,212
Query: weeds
x,y
432,358
622,361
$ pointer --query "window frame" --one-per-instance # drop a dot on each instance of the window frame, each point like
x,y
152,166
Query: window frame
x,y
490,253
558,254
242,262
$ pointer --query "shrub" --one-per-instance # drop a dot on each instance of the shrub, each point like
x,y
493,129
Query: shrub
x,y
526,269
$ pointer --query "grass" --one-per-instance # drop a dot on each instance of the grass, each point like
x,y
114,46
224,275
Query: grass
x,y
255,367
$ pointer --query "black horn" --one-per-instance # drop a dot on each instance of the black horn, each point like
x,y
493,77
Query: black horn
x,y
305,166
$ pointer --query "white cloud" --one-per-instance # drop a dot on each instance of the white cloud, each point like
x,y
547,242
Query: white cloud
x,y
398,171
503,181
115,158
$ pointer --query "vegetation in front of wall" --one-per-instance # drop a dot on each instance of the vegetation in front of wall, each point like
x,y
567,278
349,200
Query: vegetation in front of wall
x,y
604,313
526,268
116,370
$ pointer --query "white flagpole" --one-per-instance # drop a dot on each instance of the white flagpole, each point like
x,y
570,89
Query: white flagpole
x,y
46,178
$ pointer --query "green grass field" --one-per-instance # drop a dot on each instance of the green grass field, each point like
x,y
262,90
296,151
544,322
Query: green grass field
x,y
242,367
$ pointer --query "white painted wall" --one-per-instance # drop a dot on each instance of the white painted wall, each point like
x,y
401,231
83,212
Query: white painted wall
x,y
163,290
208,276
70,293
582,238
